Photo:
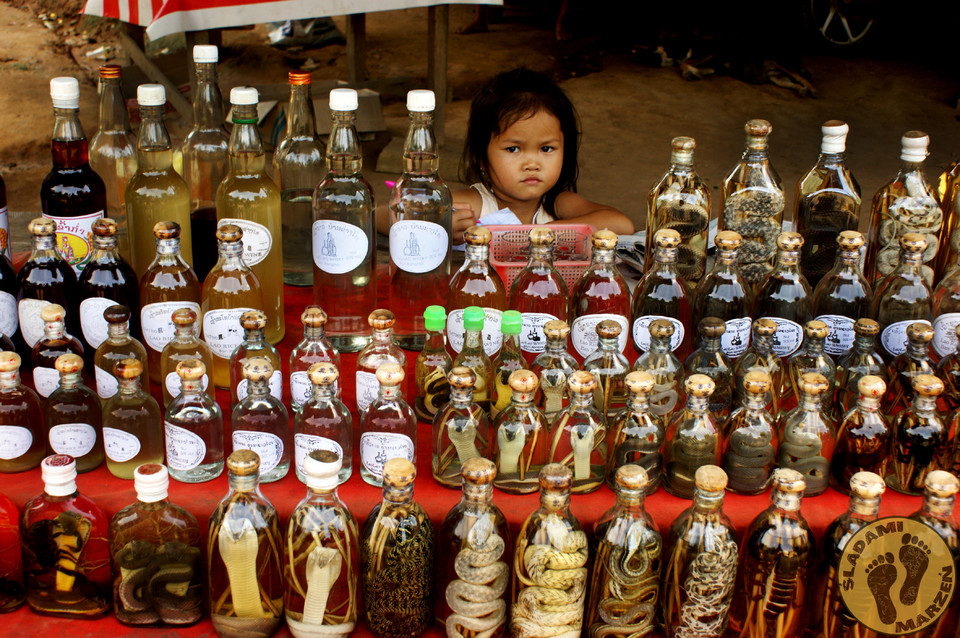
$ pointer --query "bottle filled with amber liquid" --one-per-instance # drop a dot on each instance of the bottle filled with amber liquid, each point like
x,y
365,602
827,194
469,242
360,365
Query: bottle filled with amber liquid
x,y
538,293
709,359
73,417
637,434
946,310
389,426
808,434
811,357
193,428
843,295
46,278
476,284
692,439
432,366
508,360
725,294
948,369
920,438
578,435
948,192
914,361
609,369
260,422
659,360
254,344
474,356
381,349
864,436
750,445
132,423
315,347
12,593
662,295
553,368
54,343
184,346
521,443
785,297
323,423
23,442
461,430
760,357
118,346
903,297
600,294
863,358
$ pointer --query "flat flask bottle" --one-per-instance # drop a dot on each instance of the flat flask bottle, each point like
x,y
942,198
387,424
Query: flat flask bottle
x,y
663,295
476,284
725,294
344,231
785,297
578,436
260,422
902,297
132,423
388,428
920,438
12,593
184,346
154,535
538,293
54,343
118,346
659,360
508,360
323,423
431,367
946,309
750,439
600,294
315,347
461,430
254,344
908,365
474,356
692,439
864,436
553,368
863,358
760,357
521,440
382,348
808,435
709,359
21,418
73,416
843,295
193,428
637,434
609,369
811,357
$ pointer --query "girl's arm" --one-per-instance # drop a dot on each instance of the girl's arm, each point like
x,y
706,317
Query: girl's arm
x,y
574,208
466,211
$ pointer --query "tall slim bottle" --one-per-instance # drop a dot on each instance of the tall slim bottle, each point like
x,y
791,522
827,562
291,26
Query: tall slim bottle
x,y
476,284
600,294
903,297
663,294
725,294
538,293
843,296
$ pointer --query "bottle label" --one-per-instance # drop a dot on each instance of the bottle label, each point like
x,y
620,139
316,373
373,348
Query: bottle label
x,y
300,389
73,238
532,338
75,439
92,323
268,446
185,450
222,330
894,337
107,384
641,332
338,247
376,448
788,337
45,380
841,336
4,233
120,446
583,332
491,335
304,444
14,441
736,337
8,313
31,325
368,388
276,387
173,384
945,333
418,246
156,322
257,241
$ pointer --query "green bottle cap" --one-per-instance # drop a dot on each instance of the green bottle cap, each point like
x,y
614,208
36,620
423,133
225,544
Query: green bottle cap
x,y
473,318
511,323
435,318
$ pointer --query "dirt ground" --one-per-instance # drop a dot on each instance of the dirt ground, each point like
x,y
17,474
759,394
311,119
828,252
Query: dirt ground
x,y
629,111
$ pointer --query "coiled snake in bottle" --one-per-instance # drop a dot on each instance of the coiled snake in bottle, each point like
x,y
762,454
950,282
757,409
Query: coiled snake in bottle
x,y
708,587
476,596
633,586
159,583
690,219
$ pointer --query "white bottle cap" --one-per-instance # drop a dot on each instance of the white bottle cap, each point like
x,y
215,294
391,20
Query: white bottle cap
x,y
205,53
243,95
321,468
913,146
343,100
151,481
59,475
834,136
151,95
421,100
65,92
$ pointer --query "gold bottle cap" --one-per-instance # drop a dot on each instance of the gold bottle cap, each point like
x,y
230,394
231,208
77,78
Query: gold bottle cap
x,y
756,382
712,327
116,314
699,385
541,236
399,472
69,363
184,316
128,369
866,327
816,329
728,240
478,471
765,327
661,329
609,329
9,361
913,243
243,463
871,386
229,233
790,241
323,373
555,477
299,78
867,485
788,480
640,382
166,230
313,317
683,143
666,238
381,319
631,477
42,227
928,385
920,332
556,329
581,382
390,374
462,377
604,239
191,369
52,313
710,478
850,240
104,227
940,484
110,71
253,320
257,369
478,236
758,127
523,381
813,383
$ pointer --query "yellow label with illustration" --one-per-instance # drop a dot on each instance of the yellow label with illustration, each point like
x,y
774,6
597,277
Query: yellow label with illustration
x,y
75,238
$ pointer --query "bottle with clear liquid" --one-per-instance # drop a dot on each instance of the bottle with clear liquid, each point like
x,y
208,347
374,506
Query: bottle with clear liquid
x,y
600,294
205,157
54,343
473,356
808,434
315,347
132,423
752,204
637,434
680,200
811,357
827,203
420,216
508,360
920,438
864,436
948,370
323,423
113,151
298,167
193,428
538,293
388,428
579,435
902,297
520,447
785,297
843,295
864,358
260,422
244,568
155,535
760,357
725,294
946,310
382,348
750,448
118,346
24,442
73,417
553,368
908,365
344,231
12,593
461,430
709,359
476,284
662,295
254,344
692,439
907,204
659,361
184,346
609,369
432,366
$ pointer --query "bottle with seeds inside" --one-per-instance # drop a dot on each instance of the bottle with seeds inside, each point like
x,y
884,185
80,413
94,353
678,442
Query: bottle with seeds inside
x,y
553,368
692,440
864,436
759,357
907,366
521,446
473,356
902,297
323,423
600,294
184,346
119,345
476,284
659,361
725,294
23,442
662,295
538,293
810,358
193,428
73,417
313,348
508,360
579,435
382,349
432,366
55,342
920,438
254,344
750,449
260,422
461,430
785,296
864,358
709,359
388,428
132,423
637,434
808,434
609,368
843,295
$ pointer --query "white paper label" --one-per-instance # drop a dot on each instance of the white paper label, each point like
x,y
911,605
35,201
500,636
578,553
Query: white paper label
x,y
14,441
107,384
276,387
4,233
736,337
418,246
945,333
45,380
73,238
367,389
894,336
338,247
268,446
8,313
173,385
185,450
532,338
376,448
304,444
156,322
583,332
257,240
788,337
491,335
300,388
840,338
641,332
222,330
31,325
92,323
120,446
75,439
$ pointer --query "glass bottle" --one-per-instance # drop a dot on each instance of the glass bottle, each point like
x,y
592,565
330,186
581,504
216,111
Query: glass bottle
x,y
709,359
315,347
420,216
609,369
184,346
808,435
946,309
474,533
73,417
692,439
778,557
254,344
906,204
193,428
759,357
381,349
344,231
680,200
321,563
12,594
9,320
902,297
66,556
864,437
579,434
22,440
150,537
920,438
389,426
827,203
432,365
508,360
625,530
752,204
948,369
248,198
461,430
637,434
810,358
843,295
260,422
476,284
863,359
205,157
245,582
474,356
323,423
600,294
230,290
659,361
702,557
948,192
553,368
397,552
298,168
113,151
521,447
168,285
54,343
725,294
785,297
538,293
750,448
662,295
132,423
914,361
560,583
119,345
72,195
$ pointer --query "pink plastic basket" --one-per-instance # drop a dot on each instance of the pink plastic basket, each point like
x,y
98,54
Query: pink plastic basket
x,y
510,250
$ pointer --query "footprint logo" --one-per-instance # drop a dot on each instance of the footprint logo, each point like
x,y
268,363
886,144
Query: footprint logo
x,y
915,556
881,575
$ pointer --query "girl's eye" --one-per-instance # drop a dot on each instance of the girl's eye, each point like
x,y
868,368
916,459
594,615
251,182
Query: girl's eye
x,y
512,149
548,149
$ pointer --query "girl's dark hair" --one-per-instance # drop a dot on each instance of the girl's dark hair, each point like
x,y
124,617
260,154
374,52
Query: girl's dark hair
x,y
507,99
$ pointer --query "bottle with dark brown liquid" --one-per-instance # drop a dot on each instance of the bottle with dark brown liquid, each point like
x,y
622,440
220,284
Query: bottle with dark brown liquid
x,y
662,294
785,297
693,439
903,297
725,294
807,434
73,416
810,358
760,357
914,361
637,434
9,287
709,359
920,438
864,436
863,358
749,451
843,295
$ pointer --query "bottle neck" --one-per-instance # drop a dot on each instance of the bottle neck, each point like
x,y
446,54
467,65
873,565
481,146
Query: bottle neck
x,y
660,345
522,399
259,388
581,400
868,404
762,343
191,386
810,402
476,498
865,344
300,121
630,499
153,141
540,256
681,161
726,261
435,341
420,149
831,160
924,405
461,398
70,380
246,146
916,349
697,405
556,501
343,149
609,346
472,340
666,259
786,502
787,262
383,337
253,338
54,330
44,247
605,256
938,506
706,502
230,253
848,261
9,380
314,333
128,387
710,344
118,332
756,150
511,343
397,495
66,128
814,346
168,247
862,508
113,109
208,111
184,333
248,483
556,347
754,401
323,392
390,392
105,249
639,402
477,255
910,262
323,496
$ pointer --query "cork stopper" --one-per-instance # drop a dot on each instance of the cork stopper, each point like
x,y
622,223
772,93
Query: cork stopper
x,y
116,314
728,240
712,327
667,238
184,317
813,383
381,319
323,373
609,329
850,240
699,385
928,385
555,477
104,227
42,227
920,332
462,377
478,471
257,369
313,317
541,236
815,330
631,477
710,478
789,241
191,369
166,230
867,485
243,463
478,236
128,369
604,239
69,363
683,143
913,243
581,382
522,381
390,374
758,128
52,313
940,484
765,327
399,472
640,382
229,233
661,329
756,382
871,386
788,480
10,362
866,327
253,320
556,329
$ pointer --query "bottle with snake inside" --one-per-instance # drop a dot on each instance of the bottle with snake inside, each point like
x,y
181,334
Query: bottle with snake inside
x,y
920,438
155,555
254,344
476,284
948,369
752,203
432,366
382,348
701,558
55,342
692,439
132,423
863,358
902,297
521,446
946,310
12,593
637,434
73,416
474,356
625,580
609,368
759,357
193,428
322,556
472,588
725,294
461,430
811,357
709,359
245,584
118,345
808,434
914,361
827,203
389,427
864,436
508,360
681,201
553,368
578,435
184,346
662,295
843,295
750,448
398,546
666,369
23,438
785,297
315,347
260,422
600,294
323,423
538,293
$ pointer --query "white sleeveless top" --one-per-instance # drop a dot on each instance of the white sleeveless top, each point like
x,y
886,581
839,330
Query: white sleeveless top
x,y
490,206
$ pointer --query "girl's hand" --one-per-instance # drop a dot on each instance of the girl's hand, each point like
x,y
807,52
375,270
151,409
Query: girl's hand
x,y
463,218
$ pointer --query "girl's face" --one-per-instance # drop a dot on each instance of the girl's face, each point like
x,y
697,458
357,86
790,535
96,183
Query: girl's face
x,y
524,161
